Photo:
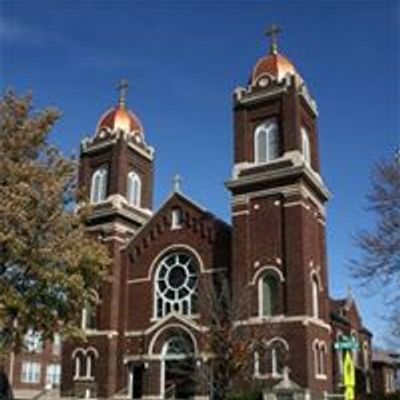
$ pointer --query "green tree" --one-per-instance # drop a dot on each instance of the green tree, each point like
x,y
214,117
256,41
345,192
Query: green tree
x,y
49,264
378,266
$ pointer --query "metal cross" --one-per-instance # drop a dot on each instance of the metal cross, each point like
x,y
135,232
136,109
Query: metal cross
x,y
273,33
122,88
177,181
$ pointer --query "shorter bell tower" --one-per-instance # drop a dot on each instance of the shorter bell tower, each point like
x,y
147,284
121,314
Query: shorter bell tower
x,y
116,172
116,177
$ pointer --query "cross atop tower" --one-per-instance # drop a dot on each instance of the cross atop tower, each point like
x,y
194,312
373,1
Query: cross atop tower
x,y
122,88
177,182
273,33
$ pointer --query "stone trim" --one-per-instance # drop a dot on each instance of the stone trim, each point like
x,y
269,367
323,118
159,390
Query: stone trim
x,y
94,332
303,319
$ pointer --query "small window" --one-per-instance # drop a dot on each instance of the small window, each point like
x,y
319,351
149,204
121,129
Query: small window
x,y
89,317
57,344
33,341
306,146
322,366
278,361
268,295
176,218
133,191
366,356
53,375
266,142
90,360
98,192
80,364
269,360
30,372
315,297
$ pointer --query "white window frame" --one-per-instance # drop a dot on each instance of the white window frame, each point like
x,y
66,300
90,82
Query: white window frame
x,y
315,288
79,355
267,128
30,372
261,294
133,189
86,355
176,218
178,305
56,345
53,375
98,188
320,358
305,145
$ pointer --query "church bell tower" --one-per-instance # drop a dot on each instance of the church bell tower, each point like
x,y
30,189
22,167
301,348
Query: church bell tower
x,y
116,177
278,217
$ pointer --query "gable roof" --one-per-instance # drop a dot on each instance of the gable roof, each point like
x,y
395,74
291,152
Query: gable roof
x,y
177,198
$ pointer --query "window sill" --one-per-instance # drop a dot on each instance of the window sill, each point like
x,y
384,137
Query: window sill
x,y
321,377
158,319
268,376
84,378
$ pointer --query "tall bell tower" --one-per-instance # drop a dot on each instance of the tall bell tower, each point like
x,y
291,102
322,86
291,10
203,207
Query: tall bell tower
x,y
278,217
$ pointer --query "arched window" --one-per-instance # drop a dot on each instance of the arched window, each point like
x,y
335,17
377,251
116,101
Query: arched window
x,y
80,364
84,362
322,356
98,192
90,359
178,346
278,361
269,359
268,295
316,358
305,140
315,296
320,366
133,191
266,142
176,285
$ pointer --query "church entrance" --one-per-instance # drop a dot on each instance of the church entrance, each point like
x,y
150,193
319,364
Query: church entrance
x,y
178,369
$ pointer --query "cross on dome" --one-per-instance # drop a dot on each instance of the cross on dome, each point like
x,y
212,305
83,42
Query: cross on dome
x,y
273,33
122,88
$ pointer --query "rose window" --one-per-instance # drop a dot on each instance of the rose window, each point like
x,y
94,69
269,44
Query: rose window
x,y
176,285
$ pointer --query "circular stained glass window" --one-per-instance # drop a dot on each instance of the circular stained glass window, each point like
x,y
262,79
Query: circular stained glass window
x,y
176,283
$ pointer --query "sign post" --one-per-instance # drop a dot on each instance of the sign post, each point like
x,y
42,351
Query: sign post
x,y
348,344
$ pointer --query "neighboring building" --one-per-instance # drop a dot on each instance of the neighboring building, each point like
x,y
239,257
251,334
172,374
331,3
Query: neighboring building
x,y
386,366
149,336
36,368
346,321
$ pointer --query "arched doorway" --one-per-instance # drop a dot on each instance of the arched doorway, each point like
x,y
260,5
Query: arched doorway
x,y
178,368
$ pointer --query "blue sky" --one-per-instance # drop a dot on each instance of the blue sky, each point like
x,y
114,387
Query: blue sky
x,y
183,60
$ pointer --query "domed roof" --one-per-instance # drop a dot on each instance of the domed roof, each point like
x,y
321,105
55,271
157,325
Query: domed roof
x,y
120,118
273,64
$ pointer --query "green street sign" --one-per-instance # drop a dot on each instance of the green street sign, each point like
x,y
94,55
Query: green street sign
x,y
351,345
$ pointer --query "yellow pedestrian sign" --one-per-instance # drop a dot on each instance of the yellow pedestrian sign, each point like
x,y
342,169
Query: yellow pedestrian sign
x,y
349,393
349,376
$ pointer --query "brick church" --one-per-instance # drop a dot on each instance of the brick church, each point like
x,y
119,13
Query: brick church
x,y
149,336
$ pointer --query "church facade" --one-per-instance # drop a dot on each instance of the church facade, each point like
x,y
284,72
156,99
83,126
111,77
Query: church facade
x,y
180,271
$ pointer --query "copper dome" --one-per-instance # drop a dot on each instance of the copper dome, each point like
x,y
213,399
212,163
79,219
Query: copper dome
x,y
121,118
274,64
